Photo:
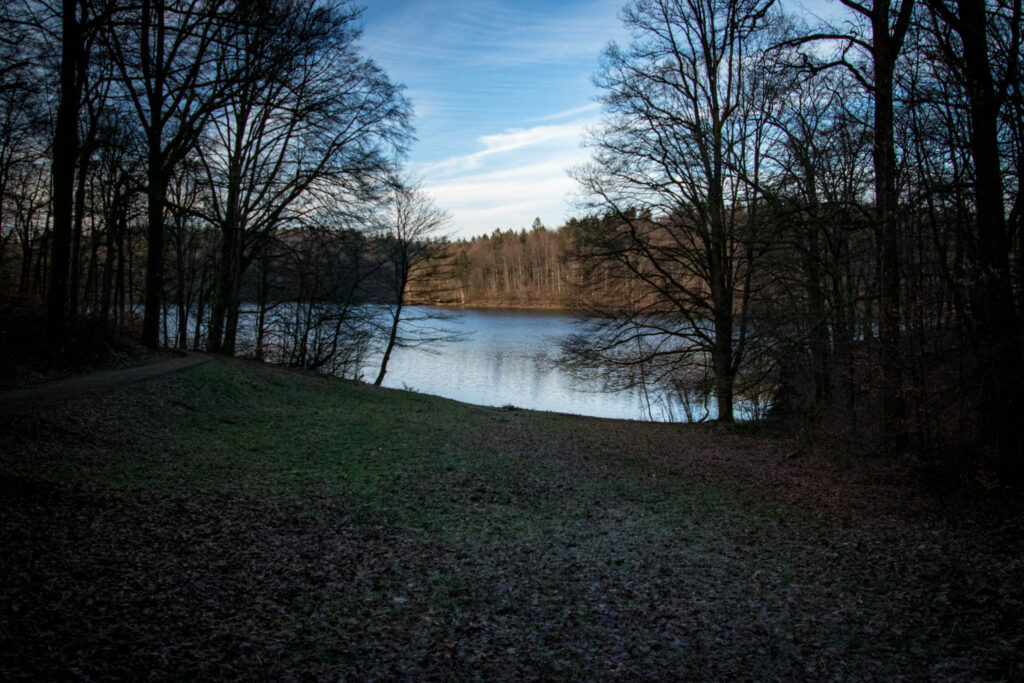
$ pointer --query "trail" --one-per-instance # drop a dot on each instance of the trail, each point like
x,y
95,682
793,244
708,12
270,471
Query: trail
x,y
40,395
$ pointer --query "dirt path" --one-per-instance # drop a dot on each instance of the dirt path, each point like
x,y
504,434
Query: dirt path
x,y
31,398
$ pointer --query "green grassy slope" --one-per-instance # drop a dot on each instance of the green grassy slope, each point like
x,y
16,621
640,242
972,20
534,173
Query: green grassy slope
x,y
236,520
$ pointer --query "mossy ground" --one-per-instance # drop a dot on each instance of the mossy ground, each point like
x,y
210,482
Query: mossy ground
x,y
234,520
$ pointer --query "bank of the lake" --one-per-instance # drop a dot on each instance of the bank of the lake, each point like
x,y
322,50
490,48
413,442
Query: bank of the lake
x,y
492,356
240,521
510,357
499,305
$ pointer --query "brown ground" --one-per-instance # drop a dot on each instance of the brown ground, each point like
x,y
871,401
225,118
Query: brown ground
x,y
806,568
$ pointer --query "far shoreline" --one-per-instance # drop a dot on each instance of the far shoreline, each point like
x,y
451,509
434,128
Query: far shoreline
x,y
496,306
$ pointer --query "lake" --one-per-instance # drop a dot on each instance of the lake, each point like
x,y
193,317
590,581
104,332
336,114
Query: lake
x,y
505,360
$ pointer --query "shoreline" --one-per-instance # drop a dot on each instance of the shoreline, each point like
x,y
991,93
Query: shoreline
x,y
497,306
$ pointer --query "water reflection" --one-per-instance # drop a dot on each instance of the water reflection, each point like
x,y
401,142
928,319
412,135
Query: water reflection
x,y
505,359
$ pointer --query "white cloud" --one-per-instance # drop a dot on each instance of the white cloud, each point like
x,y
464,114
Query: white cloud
x,y
509,197
502,93
513,140
495,32
568,113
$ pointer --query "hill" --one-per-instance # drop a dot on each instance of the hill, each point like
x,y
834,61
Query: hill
x,y
239,521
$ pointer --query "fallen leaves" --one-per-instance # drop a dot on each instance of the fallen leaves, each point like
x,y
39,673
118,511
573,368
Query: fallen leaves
x,y
541,548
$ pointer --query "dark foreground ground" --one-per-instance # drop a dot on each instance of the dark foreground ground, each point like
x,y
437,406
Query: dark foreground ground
x,y
236,521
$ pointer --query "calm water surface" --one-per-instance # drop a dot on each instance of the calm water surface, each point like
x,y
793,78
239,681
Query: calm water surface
x,y
504,360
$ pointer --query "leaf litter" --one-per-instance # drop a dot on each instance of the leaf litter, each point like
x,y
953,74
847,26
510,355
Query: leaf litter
x,y
547,547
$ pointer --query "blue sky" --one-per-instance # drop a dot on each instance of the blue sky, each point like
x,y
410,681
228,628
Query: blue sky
x,y
502,93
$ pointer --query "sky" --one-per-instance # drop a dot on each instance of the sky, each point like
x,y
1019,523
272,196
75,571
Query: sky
x,y
502,94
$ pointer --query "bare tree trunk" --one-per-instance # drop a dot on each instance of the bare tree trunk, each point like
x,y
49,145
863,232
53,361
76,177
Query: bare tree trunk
x,y
819,338
41,265
123,278
725,377
182,302
233,313
76,242
65,150
225,293
92,274
722,351
25,281
888,226
200,311
392,336
155,247
264,293
998,336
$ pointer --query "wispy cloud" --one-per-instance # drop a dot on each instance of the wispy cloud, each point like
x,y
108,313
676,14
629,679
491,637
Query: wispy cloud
x,y
558,136
568,113
503,96
494,32
510,195
480,207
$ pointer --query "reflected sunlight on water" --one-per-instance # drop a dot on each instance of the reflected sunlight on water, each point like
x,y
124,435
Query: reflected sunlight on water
x,y
505,360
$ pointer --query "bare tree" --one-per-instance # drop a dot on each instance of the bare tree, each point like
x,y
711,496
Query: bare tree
x,y
118,179
870,54
165,52
310,122
823,241
24,125
312,293
190,244
675,171
73,66
28,203
982,43
409,234
70,30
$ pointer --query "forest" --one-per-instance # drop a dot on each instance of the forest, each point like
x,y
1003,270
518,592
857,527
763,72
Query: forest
x,y
829,214
835,208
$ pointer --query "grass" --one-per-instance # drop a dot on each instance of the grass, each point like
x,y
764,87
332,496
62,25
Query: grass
x,y
241,521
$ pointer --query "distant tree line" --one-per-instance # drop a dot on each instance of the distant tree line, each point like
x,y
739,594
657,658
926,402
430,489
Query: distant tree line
x,y
539,267
830,213
528,268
